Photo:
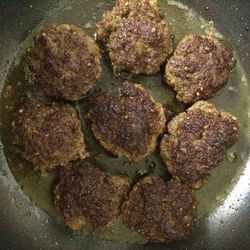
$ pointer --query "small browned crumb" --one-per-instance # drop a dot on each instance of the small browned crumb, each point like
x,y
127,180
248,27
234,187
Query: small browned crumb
x,y
66,61
197,141
86,195
127,124
199,68
137,37
48,135
169,114
160,211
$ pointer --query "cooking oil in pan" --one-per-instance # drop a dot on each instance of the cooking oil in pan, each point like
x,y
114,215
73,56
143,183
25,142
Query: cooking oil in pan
x,y
233,98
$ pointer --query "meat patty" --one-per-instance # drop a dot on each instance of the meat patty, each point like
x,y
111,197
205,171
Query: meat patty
x,y
86,195
123,8
196,142
150,8
199,68
127,124
48,135
66,61
160,211
138,39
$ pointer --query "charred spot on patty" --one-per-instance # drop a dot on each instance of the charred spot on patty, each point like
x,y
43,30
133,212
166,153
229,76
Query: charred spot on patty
x,y
199,68
66,61
86,195
127,124
160,211
48,135
197,141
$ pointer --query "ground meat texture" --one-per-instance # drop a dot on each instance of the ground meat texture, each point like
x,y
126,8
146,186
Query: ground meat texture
x,y
48,135
196,142
127,124
140,46
199,68
66,61
138,40
149,8
124,8
86,195
160,211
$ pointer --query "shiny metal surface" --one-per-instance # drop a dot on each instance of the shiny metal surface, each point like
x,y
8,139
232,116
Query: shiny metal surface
x,y
24,226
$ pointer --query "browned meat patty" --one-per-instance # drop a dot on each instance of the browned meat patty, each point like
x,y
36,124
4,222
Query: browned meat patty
x,y
48,135
160,211
197,142
127,124
138,39
86,195
148,7
123,8
66,61
199,68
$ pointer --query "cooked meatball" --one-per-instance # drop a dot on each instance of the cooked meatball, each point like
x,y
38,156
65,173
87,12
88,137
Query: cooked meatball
x,y
140,46
197,141
66,61
138,39
48,135
160,211
150,8
86,195
199,68
127,124
123,8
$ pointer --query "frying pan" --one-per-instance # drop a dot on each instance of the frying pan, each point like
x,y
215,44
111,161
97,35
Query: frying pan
x,y
225,225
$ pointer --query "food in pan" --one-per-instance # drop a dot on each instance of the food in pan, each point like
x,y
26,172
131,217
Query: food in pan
x,y
150,8
123,8
199,68
159,210
197,141
66,61
127,124
84,195
137,37
48,135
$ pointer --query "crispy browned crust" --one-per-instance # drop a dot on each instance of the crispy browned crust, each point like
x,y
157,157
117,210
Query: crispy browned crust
x,y
138,39
197,141
48,135
199,68
66,61
149,8
140,45
127,124
86,195
123,9
160,211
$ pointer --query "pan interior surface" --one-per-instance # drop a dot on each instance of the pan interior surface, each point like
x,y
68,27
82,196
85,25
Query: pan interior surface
x,y
233,98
